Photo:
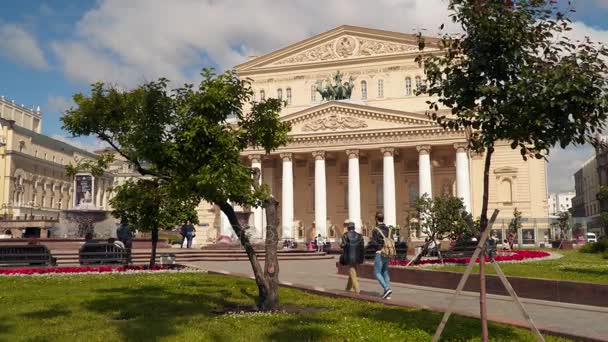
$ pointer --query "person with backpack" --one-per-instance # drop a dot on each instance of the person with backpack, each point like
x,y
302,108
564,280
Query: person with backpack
x,y
384,244
352,255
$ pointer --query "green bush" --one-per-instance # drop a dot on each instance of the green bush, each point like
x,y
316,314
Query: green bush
x,y
605,254
596,247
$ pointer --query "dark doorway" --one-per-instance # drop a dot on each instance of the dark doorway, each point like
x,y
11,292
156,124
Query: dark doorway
x,y
31,233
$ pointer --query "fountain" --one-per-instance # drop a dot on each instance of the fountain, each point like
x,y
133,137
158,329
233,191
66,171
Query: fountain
x,y
85,217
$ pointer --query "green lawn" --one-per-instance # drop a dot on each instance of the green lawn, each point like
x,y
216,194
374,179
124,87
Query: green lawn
x,y
573,266
177,307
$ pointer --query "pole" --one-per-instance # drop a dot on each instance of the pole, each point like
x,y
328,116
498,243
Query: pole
x,y
465,277
483,310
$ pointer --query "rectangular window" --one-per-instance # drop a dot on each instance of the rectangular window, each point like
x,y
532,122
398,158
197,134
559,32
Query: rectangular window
x,y
380,195
380,88
408,86
313,93
288,95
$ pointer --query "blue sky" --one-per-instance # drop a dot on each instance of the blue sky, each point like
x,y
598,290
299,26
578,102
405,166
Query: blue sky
x,y
52,49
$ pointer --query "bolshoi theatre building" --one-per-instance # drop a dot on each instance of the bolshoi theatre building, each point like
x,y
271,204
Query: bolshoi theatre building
x,y
377,151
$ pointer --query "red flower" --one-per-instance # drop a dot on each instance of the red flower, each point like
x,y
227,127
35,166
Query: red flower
x,y
77,269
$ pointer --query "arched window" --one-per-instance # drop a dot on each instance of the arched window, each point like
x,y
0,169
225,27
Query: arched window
x,y
408,86
280,94
506,191
313,93
380,88
262,95
418,83
363,90
288,90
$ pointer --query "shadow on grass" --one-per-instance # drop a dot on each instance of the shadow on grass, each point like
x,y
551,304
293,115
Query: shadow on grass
x,y
52,312
458,327
152,312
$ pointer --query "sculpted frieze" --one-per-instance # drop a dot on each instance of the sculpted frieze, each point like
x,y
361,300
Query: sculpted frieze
x,y
334,122
347,47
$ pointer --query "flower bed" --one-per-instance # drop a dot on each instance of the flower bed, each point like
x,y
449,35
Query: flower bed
x,y
502,256
80,269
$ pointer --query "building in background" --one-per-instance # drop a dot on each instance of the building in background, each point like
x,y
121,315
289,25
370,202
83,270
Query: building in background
x,y
561,201
34,186
377,151
587,185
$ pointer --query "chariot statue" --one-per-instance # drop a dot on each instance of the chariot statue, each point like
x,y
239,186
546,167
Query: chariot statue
x,y
337,90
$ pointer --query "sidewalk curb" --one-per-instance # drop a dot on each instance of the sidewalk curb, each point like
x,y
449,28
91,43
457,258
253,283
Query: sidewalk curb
x,y
401,303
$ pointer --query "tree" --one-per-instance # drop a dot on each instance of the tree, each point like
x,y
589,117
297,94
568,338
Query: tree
x,y
515,224
563,223
444,217
602,196
147,205
186,138
514,76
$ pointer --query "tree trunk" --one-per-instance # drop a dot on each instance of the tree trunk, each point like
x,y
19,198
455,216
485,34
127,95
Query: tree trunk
x,y
258,273
154,243
271,264
483,226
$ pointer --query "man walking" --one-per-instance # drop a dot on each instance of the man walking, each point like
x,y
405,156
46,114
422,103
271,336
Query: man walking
x,y
187,231
385,249
125,235
352,255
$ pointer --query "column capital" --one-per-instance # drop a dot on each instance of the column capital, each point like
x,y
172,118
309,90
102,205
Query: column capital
x,y
255,158
387,151
319,155
424,149
352,154
461,147
286,156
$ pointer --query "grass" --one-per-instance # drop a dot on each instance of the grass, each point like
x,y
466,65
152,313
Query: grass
x,y
177,307
572,266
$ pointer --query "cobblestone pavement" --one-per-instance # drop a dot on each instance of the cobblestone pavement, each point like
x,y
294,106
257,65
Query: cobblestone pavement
x,y
579,320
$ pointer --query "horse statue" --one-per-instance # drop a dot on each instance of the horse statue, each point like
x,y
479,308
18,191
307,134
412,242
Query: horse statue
x,y
336,90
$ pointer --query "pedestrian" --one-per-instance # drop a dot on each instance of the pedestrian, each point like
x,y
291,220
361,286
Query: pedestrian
x,y
385,249
320,243
188,231
352,255
116,243
511,239
125,235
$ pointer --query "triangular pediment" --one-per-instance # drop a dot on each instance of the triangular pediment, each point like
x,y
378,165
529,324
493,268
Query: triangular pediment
x,y
344,116
345,43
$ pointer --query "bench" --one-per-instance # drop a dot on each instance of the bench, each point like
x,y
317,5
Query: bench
x,y
26,255
465,249
102,253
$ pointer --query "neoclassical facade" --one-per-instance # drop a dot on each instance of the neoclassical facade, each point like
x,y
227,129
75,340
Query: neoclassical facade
x,y
377,151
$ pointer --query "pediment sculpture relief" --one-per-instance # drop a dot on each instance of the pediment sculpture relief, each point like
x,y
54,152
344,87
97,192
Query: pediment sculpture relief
x,y
347,47
334,122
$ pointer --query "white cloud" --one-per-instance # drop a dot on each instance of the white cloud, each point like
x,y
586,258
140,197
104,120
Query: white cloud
x,y
20,46
81,143
563,163
57,104
127,42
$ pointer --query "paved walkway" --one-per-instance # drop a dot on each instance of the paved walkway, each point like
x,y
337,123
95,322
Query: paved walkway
x,y
570,319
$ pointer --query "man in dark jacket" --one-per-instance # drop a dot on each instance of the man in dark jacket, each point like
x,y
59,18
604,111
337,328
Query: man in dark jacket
x,y
380,262
352,255
187,231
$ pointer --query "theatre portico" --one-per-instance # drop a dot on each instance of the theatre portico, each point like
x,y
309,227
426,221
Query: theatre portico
x,y
376,151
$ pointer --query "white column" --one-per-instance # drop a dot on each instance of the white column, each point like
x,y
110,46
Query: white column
x,y
425,182
287,197
320,194
256,163
388,181
463,185
354,189
225,228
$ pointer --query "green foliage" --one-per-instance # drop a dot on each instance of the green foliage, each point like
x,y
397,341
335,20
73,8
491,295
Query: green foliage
x,y
96,166
146,204
596,247
443,217
605,254
514,75
515,224
563,222
184,136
